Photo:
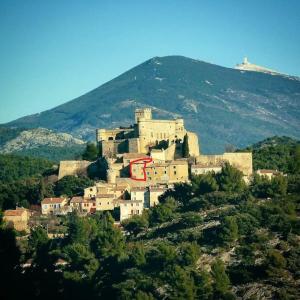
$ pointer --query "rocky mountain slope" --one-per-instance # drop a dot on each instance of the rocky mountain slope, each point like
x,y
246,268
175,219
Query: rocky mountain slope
x,y
40,142
224,106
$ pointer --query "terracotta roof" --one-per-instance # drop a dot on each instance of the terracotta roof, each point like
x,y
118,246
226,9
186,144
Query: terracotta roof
x,y
130,201
76,200
134,155
53,200
138,189
14,213
157,189
105,196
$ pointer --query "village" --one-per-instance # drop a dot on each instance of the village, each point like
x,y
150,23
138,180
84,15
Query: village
x,y
140,163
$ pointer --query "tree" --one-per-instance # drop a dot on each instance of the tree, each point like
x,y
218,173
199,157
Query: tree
x,y
136,223
163,212
91,152
230,179
203,184
37,238
82,263
72,185
189,253
221,281
294,164
81,230
275,263
181,283
185,147
9,260
203,285
182,192
229,230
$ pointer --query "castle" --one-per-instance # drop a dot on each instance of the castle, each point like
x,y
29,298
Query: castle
x,y
144,135
142,161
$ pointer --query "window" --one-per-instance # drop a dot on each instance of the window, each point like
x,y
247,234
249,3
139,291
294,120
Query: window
x,y
165,172
174,172
91,189
131,204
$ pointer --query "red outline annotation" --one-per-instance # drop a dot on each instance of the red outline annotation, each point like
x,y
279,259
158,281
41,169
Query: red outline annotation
x,y
146,161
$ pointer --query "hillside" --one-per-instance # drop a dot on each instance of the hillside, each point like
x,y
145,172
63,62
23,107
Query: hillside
x,y
277,153
224,106
40,142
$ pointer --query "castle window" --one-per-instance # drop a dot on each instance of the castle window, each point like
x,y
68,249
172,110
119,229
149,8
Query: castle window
x,y
174,172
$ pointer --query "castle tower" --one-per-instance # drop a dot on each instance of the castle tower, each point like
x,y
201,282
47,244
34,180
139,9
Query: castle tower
x,y
145,113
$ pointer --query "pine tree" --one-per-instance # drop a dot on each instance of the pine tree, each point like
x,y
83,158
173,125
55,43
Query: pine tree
x,y
185,147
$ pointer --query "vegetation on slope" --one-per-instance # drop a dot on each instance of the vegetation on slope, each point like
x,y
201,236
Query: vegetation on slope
x,y
215,238
276,153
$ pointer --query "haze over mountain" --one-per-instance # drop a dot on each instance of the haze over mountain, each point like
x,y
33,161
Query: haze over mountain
x,y
223,105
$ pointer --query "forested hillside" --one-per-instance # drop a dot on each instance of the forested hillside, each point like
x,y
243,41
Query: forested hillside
x,y
216,238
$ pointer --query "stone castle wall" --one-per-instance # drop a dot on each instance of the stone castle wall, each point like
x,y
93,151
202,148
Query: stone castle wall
x,y
241,161
193,144
73,167
152,131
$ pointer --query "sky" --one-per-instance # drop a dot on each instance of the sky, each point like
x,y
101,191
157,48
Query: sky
x,y
53,51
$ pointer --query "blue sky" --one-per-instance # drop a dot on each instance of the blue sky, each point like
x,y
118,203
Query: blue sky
x,y
53,51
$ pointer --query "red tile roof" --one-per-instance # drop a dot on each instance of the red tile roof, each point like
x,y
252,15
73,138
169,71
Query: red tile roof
x,y
14,213
53,200
105,195
76,200
134,155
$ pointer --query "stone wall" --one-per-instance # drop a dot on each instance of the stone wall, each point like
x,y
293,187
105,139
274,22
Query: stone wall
x,y
112,147
73,167
153,131
134,145
241,161
193,144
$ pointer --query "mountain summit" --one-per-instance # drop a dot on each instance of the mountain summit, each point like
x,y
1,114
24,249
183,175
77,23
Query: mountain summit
x,y
247,66
223,105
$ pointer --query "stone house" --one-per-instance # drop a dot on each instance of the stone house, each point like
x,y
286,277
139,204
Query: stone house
x,y
154,193
268,173
105,202
202,169
53,206
129,208
17,218
83,205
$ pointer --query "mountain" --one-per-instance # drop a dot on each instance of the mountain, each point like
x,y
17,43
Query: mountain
x,y
40,142
223,105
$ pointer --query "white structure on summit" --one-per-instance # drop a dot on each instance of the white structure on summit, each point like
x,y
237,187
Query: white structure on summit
x,y
247,66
